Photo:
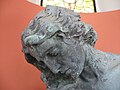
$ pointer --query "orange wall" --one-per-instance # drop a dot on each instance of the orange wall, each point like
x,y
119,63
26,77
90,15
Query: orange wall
x,y
15,72
107,26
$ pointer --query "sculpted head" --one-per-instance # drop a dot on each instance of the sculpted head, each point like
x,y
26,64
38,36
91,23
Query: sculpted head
x,y
54,40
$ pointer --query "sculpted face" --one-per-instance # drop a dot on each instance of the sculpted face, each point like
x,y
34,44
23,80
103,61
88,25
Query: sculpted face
x,y
53,42
52,49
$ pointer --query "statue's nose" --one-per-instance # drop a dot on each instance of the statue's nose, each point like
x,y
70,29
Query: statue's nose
x,y
33,39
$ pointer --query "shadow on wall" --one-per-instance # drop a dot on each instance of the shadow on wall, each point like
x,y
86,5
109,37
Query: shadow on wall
x,y
15,72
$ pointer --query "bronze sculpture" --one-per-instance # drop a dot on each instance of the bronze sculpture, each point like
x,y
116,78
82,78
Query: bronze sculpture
x,y
60,45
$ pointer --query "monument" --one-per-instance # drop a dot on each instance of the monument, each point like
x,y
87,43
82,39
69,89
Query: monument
x,y
61,46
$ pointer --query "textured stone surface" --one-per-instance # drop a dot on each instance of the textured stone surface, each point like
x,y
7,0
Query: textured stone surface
x,y
60,45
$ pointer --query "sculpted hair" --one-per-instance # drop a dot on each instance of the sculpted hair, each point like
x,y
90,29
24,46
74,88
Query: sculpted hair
x,y
67,21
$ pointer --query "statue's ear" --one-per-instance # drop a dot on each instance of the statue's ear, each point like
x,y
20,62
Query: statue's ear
x,y
90,36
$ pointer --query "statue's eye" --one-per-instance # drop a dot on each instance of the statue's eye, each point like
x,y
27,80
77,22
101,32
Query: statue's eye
x,y
53,52
59,36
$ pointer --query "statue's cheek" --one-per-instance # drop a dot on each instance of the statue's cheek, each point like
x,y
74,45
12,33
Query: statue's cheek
x,y
51,63
73,59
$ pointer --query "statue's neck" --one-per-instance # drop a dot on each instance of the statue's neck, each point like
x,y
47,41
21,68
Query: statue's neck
x,y
100,62
94,60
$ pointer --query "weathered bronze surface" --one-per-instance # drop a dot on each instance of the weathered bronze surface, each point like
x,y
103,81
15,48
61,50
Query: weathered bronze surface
x,y
60,45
